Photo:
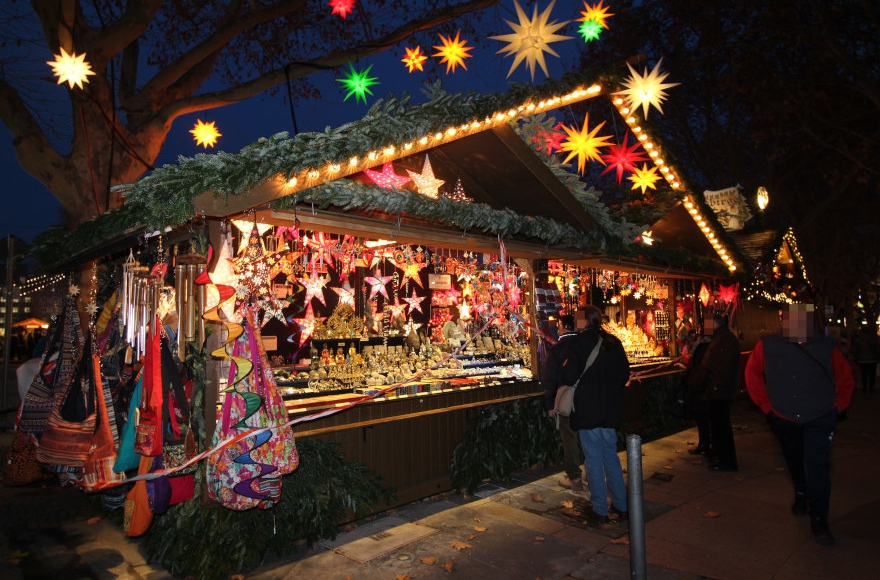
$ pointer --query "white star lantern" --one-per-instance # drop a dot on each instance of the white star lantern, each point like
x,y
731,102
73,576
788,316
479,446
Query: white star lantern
x,y
425,181
646,90
71,68
531,38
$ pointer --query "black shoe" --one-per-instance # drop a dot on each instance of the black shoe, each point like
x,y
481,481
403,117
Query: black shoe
x,y
605,522
819,527
800,507
699,450
621,515
723,467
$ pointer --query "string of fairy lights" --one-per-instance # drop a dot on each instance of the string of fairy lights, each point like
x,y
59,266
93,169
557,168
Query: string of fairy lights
x,y
37,283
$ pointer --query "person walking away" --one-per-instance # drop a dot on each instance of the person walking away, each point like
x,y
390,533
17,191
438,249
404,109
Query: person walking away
x,y
721,366
598,412
694,381
866,352
802,382
560,369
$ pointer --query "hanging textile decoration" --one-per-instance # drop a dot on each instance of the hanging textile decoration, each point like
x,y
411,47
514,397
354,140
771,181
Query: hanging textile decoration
x,y
98,472
584,144
646,90
247,472
531,38
414,59
453,52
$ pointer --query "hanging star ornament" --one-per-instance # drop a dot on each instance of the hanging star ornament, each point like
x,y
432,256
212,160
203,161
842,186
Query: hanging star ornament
x,y
254,268
314,285
531,38
643,177
415,302
205,134
453,52
387,178
306,325
245,227
377,284
414,59
549,140
425,181
412,271
597,13
646,90
342,7
589,30
71,69
346,294
623,157
358,83
727,294
396,310
584,144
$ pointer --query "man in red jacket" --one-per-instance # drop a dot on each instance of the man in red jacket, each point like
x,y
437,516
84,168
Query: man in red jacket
x,y
802,382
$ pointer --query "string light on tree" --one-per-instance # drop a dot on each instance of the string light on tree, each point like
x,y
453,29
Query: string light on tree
x,y
205,134
453,51
531,38
71,68
358,83
647,89
414,59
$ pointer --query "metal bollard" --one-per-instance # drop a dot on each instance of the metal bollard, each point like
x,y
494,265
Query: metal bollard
x,y
638,567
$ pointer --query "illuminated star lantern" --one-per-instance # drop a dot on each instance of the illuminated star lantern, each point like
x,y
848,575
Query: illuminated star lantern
x,y
205,134
71,69
358,83
584,144
425,181
597,13
646,90
306,325
531,38
458,193
254,268
342,7
644,178
704,295
727,294
623,157
415,301
414,59
411,271
314,285
377,284
549,139
453,52
245,227
323,249
387,178
646,237
397,309
346,294
589,30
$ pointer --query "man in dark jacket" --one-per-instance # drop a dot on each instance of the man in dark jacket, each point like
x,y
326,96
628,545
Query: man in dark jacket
x,y
802,381
560,369
598,412
721,364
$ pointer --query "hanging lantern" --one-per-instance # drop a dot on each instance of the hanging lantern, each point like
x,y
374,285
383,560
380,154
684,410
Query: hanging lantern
x,y
704,295
205,134
453,52
647,89
531,38
70,68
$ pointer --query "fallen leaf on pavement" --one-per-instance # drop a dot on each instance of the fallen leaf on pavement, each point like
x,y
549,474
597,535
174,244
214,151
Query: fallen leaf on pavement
x,y
459,545
539,538
471,537
537,497
478,520
480,528
567,504
93,520
448,566
621,540
402,577
711,514
429,560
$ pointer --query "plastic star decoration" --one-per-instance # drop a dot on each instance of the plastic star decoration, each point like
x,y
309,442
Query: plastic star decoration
x,y
342,7
623,157
727,294
453,52
531,38
377,284
387,178
205,134
590,30
414,59
644,178
71,69
597,13
358,83
549,139
649,89
425,181
415,301
584,144
73,290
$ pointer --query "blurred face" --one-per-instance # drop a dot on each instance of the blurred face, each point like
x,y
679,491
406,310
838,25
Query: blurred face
x,y
797,322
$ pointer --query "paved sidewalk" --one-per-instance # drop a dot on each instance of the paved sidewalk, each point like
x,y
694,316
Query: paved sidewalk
x,y
700,524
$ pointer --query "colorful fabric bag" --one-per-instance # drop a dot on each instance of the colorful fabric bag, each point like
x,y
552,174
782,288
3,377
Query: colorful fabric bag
x,y
126,457
98,472
148,440
137,516
247,473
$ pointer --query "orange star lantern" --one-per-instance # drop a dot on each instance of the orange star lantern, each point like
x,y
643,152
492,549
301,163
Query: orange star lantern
x,y
584,144
453,52
414,59
205,134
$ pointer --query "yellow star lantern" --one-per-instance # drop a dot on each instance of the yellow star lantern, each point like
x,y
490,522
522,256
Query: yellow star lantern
x,y
531,38
426,183
453,52
644,178
584,143
646,90
205,134
414,59
71,69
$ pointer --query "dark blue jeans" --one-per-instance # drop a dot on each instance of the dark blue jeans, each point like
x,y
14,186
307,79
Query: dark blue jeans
x,y
807,451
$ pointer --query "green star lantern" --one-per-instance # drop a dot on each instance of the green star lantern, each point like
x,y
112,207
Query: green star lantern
x,y
358,83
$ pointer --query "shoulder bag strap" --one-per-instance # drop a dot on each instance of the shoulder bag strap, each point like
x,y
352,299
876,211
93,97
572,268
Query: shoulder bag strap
x,y
590,360
817,361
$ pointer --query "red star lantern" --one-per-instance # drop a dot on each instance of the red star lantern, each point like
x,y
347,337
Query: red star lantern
x,y
306,325
414,59
727,294
550,140
623,157
342,7
387,178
